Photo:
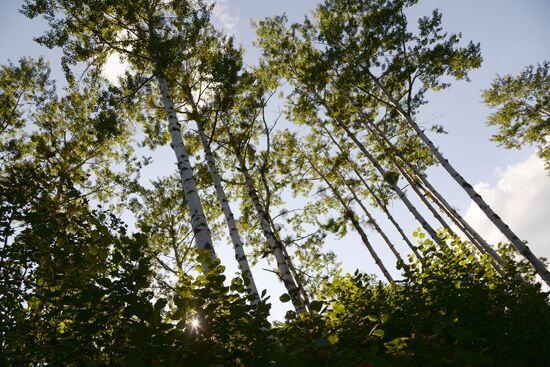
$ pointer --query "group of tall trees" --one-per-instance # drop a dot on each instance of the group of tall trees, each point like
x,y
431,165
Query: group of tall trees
x,y
75,278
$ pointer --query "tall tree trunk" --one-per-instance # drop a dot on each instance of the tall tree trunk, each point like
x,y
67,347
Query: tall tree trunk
x,y
522,248
371,219
276,246
423,198
354,222
203,239
290,264
459,221
430,207
427,227
373,194
416,188
434,212
240,255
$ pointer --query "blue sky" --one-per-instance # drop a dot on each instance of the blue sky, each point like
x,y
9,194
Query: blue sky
x,y
513,34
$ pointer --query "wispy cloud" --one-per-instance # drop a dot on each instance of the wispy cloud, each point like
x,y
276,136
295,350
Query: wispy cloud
x,y
223,16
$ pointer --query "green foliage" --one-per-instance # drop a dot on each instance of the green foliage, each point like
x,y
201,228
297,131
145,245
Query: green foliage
x,y
523,109
391,177
68,273
449,311
86,298
357,65
219,324
21,85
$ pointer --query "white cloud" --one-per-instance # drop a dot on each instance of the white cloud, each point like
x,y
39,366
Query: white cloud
x,y
521,198
114,68
223,16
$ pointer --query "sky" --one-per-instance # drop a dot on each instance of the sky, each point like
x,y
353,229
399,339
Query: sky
x,y
512,34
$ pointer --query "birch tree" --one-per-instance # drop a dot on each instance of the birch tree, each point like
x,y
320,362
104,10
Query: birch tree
x,y
378,200
352,217
214,94
368,54
298,61
139,32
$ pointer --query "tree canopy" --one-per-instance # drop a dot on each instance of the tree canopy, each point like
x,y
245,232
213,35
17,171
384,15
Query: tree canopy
x,y
523,109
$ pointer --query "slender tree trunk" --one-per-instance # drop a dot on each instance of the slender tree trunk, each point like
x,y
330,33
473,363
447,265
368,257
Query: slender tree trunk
x,y
276,246
416,188
459,221
371,219
431,232
378,201
354,222
436,215
203,239
240,255
522,248
392,220
291,265
434,212
424,200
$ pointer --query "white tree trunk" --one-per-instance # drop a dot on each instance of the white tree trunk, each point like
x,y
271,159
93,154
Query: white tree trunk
x,y
378,201
354,222
372,220
438,199
238,247
290,265
522,248
203,239
472,234
391,219
431,232
275,245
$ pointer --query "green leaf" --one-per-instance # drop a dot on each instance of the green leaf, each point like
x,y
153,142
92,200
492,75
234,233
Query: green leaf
x,y
333,339
376,331
315,306
284,297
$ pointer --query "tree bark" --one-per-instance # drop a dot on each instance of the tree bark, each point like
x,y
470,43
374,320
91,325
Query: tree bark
x,y
522,248
203,239
460,222
276,246
424,200
372,220
378,201
427,227
291,267
354,222
238,247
